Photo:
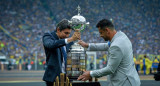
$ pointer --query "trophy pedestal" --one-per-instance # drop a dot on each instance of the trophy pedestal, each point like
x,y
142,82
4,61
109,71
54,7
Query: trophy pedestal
x,y
86,84
72,78
76,62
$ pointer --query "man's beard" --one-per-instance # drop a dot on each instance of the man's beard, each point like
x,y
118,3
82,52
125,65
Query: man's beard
x,y
105,39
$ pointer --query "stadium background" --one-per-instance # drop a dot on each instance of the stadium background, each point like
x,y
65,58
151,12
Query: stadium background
x,y
23,23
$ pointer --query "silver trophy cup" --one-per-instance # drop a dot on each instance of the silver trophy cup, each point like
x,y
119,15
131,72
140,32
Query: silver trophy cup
x,y
76,57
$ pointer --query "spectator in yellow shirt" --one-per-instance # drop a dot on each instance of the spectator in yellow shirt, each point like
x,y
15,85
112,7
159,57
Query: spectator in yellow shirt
x,y
155,64
147,63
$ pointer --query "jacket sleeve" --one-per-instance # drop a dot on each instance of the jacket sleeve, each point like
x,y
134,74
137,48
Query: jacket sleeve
x,y
115,57
68,46
98,47
51,43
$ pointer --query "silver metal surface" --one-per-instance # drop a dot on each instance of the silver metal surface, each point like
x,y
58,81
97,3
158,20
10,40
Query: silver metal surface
x,y
78,21
76,56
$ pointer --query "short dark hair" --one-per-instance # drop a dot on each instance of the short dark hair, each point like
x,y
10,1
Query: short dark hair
x,y
102,24
63,24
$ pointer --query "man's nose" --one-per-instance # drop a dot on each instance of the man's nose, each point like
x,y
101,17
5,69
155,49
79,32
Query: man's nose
x,y
67,35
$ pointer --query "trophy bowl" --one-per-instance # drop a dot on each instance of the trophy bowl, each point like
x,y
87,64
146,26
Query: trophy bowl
x,y
78,21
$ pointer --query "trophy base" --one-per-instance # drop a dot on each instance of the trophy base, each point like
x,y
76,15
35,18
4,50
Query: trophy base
x,y
86,84
73,78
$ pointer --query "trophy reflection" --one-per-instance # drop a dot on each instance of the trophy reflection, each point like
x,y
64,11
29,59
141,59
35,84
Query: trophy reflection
x,y
76,57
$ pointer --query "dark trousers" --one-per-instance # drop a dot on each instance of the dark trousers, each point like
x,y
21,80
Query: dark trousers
x,y
49,83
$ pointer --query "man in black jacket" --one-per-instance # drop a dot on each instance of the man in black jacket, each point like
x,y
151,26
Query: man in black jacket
x,y
157,75
56,45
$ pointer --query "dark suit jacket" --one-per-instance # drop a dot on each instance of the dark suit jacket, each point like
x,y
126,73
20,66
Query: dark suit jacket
x,y
52,46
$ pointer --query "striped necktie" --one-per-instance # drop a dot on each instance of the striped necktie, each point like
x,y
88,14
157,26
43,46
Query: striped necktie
x,y
64,54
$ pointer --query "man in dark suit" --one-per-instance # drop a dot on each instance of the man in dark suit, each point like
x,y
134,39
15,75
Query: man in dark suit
x,y
56,44
157,75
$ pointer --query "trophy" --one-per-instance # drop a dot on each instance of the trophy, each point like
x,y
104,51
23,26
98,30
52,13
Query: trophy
x,y
78,21
76,57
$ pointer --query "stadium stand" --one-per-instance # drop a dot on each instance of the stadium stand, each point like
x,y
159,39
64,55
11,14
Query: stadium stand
x,y
23,23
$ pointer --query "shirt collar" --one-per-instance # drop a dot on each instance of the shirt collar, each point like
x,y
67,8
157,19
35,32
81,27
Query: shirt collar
x,y
115,36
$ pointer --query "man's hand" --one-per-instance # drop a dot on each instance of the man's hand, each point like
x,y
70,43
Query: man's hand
x,y
83,44
85,76
75,36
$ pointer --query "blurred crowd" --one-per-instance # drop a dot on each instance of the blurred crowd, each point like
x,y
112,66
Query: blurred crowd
x,y
23,23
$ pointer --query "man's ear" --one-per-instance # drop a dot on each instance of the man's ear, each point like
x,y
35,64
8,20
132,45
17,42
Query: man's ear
x,y
107,29
58,30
